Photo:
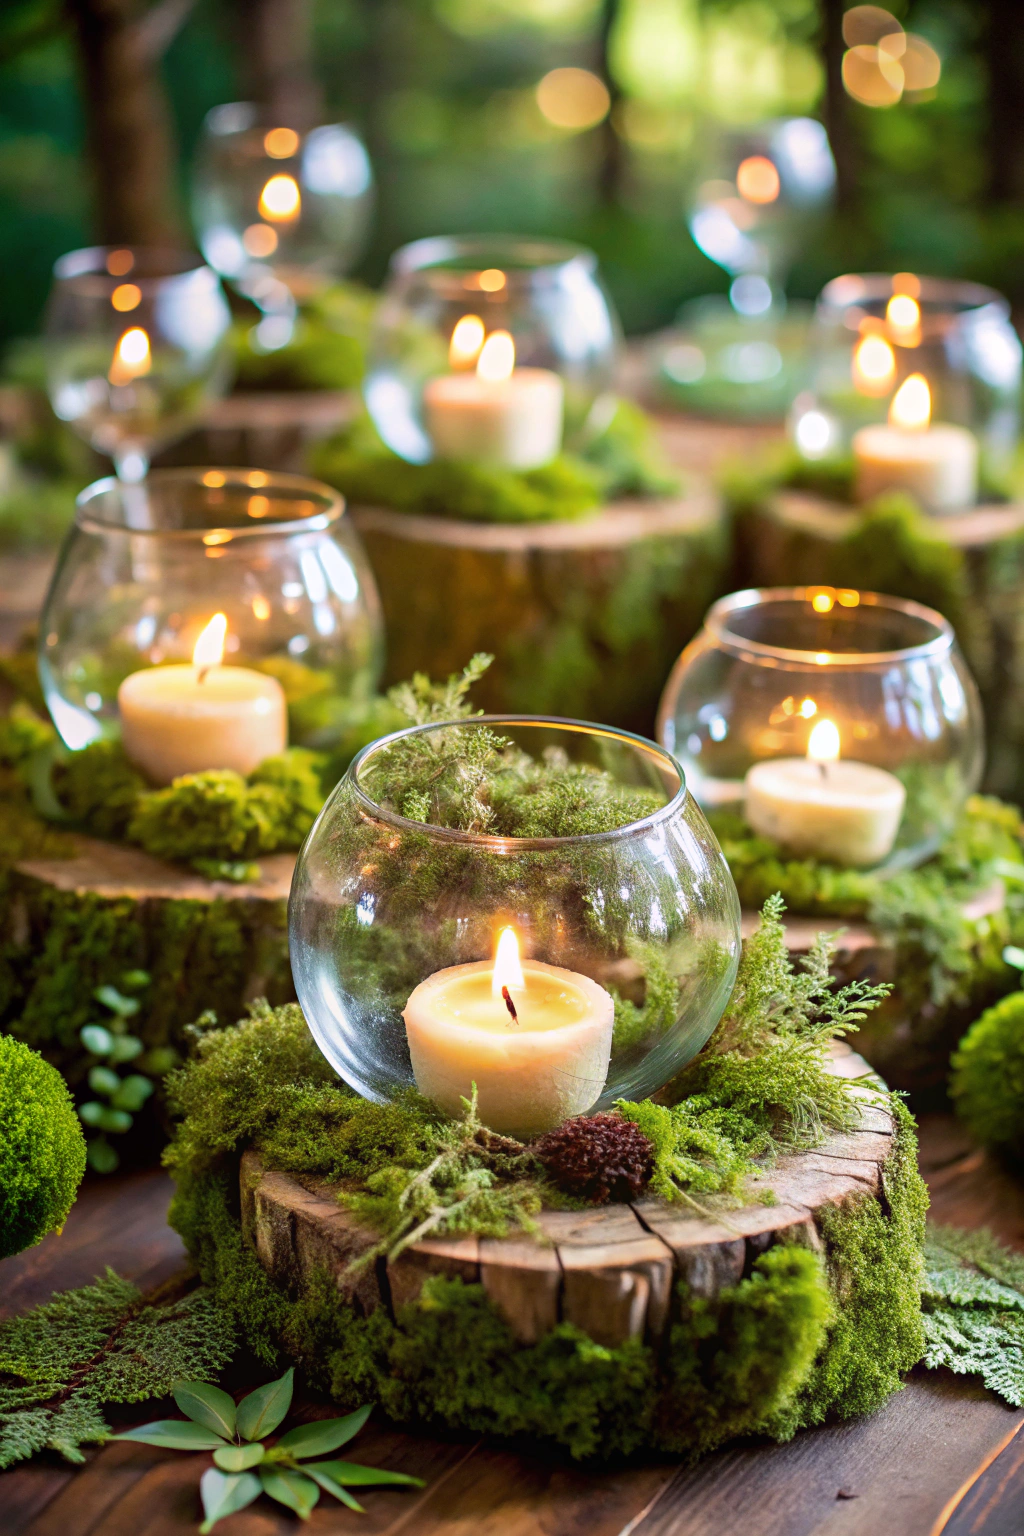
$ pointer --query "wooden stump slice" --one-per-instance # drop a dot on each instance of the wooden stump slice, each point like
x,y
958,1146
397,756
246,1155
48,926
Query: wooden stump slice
x,y
609,1270
796,539
584,618
77,923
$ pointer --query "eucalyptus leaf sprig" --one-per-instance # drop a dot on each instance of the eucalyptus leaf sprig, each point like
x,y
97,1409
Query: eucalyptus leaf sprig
x,y
245,1467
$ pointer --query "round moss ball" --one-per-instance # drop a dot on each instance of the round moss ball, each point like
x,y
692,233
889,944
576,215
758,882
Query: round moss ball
x,y
987,1084
42,1149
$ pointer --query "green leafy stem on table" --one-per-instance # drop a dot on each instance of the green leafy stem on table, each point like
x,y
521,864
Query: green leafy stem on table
x,y
245,1467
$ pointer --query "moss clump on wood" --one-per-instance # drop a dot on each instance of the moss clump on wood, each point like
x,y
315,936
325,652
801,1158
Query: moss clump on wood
x,y
327,349
42,1149
987,1082
622,460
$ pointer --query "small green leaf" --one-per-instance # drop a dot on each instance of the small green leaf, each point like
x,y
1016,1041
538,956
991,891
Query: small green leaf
x,y
292,1489
238,1458
125,1047
206,1404
262,1411
1014,956
354,1475
323,1436
176,1434
96,1039
328,1484
224,1496
134,980
114,1120
133,1092
91,1112
160,1060
103,1080
111,998
101,1155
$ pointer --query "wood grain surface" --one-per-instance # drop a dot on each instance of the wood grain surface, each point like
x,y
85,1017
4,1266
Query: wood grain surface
x,y
942,1458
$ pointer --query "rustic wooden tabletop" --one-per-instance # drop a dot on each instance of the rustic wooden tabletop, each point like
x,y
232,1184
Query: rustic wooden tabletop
x,y
942,1456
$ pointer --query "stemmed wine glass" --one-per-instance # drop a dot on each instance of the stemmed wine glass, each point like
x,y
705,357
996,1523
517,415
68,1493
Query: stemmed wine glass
x,y
135,347
279,213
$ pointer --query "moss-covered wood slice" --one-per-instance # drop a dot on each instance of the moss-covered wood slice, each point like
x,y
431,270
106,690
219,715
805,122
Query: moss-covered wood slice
x,y
78,923
609,1269
970,567
585,618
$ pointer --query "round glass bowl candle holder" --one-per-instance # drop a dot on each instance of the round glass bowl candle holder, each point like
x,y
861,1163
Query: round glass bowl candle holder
x,y
296,205
492,349
400,932
815,679
145,568
871,335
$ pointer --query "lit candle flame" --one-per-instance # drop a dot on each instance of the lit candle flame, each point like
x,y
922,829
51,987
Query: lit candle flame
x,y
467,339
823,746
508,969
874,365
911,406
903,314
280,199
209,648
497,357
131,357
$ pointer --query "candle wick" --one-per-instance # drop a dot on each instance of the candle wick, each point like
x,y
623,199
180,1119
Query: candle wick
x,y
823,769
202,674
510,1005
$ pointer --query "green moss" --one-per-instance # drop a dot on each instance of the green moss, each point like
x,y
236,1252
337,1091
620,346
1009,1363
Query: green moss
x,y
876,1269
326,351
987,1083
99,788
42,1149
621,460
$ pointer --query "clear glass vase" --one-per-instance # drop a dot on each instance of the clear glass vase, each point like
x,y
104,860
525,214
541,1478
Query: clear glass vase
x,y
144,570
490,348
400,933
864,704
872,334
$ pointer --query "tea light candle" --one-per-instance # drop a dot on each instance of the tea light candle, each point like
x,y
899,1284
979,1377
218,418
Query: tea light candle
x,y
186,719
819,807
937,464
497,413
535,1039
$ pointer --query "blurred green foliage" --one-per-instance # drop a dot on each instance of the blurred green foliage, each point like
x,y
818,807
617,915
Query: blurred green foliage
x,y
445,94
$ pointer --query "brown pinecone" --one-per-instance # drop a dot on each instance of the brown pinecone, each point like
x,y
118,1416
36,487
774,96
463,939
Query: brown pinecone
x,y
597,1158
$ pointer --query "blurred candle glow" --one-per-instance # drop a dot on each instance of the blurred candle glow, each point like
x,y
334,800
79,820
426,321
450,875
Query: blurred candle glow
x,y
280,200
132,357
936,464
467,339
874,365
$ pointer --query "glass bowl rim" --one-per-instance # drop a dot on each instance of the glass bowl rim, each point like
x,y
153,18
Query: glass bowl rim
x,y
299,485
512,845
877,286
89,262
718,615
438,253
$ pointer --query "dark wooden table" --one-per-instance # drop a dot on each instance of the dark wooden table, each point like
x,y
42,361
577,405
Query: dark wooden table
x,y
942,1456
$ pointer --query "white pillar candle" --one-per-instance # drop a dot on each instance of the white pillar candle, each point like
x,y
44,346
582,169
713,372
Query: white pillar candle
x,y
820,807
533,1069
186,719
497,414
936,464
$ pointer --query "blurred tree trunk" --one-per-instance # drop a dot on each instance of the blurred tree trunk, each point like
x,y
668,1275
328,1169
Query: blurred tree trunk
x,y
128,128
612,149
275,42
1004,51
837,103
